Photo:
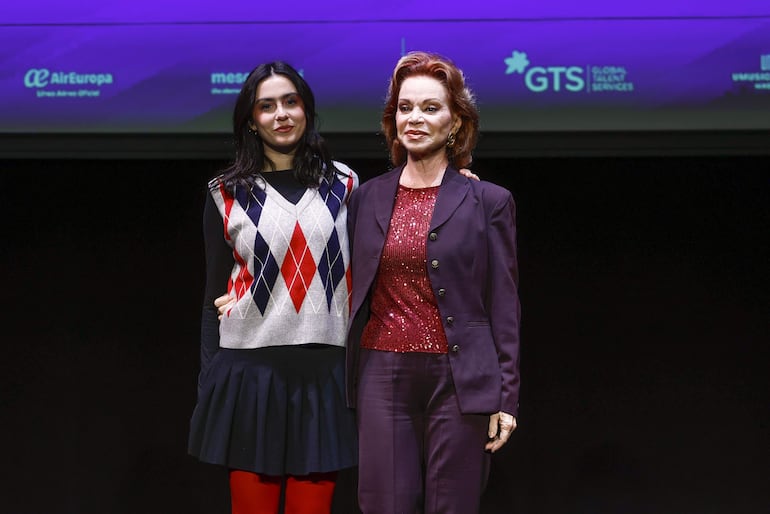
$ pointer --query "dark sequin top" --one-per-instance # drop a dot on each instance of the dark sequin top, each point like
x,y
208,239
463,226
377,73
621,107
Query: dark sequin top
x,y
404,313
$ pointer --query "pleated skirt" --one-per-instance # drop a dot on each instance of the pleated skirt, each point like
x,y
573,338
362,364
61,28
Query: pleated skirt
x,y
276,411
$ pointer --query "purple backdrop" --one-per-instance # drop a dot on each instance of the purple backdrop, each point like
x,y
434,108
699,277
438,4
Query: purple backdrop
x,y
176,66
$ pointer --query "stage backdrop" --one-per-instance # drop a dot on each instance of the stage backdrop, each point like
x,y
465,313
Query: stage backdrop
x,y
174,67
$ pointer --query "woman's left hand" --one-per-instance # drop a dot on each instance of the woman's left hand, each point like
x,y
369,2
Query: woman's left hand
x,y
500,427
223,304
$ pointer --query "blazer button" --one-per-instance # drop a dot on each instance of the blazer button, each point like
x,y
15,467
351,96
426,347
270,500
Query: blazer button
x,y
434,263
441,291
455,348
450,319
433,236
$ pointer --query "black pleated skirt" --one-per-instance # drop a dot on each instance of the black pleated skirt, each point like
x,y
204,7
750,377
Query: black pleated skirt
x,y
276,411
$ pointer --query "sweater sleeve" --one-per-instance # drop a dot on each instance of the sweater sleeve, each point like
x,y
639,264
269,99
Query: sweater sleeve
x,y
219,265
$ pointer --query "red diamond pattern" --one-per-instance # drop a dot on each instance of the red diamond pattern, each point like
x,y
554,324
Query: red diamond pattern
x,y
298,267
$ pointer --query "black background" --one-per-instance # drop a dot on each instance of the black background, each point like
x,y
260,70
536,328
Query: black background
x,y
644,286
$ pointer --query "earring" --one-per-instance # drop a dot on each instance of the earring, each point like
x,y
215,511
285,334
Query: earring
x,y
450,141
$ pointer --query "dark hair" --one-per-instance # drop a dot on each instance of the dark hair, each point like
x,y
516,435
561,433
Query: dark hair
x,y
461,103
312,159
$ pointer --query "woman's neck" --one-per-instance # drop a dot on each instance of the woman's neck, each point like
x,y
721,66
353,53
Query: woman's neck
x,y
281,161
427,172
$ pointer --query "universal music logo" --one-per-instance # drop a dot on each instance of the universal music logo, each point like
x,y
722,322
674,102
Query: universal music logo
x,y
758,80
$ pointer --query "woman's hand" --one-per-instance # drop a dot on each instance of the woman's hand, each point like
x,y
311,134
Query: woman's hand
x,y
468,173
500,427
223,304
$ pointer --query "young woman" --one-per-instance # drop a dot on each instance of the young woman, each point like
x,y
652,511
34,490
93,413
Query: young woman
x,y
271,404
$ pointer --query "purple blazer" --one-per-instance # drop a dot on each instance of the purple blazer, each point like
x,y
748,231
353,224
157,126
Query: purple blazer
x,y
471,250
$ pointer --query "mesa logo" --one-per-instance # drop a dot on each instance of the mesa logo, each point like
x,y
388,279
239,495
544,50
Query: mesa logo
x,y
551,78
227,82
228,78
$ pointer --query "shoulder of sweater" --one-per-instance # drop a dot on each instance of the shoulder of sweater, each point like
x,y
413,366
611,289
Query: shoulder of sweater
x,y
344,169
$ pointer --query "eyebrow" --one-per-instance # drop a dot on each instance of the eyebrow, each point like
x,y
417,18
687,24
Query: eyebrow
x,y
438,100
287,95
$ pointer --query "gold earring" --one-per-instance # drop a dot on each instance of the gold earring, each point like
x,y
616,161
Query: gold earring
x,y
450,141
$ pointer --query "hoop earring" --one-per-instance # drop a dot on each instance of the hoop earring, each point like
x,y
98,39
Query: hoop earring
x,y
450,141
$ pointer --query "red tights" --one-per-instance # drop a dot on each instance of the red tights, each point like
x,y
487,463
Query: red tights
x,y
252,493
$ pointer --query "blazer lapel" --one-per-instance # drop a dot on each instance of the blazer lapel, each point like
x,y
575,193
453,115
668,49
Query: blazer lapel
x,y
369,242
453,189
384,198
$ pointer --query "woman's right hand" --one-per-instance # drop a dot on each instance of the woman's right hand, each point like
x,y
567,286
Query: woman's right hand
x,y
465,172
223,304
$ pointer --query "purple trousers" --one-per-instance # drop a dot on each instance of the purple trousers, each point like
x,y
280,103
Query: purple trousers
x,y
417,452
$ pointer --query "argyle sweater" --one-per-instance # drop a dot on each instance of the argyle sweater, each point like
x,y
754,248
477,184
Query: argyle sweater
x,y
290,265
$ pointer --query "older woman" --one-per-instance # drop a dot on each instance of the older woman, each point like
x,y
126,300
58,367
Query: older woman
x,y
433,348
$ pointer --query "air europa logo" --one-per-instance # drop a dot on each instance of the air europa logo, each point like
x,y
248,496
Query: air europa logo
x,y
36,78
40,78
550,78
